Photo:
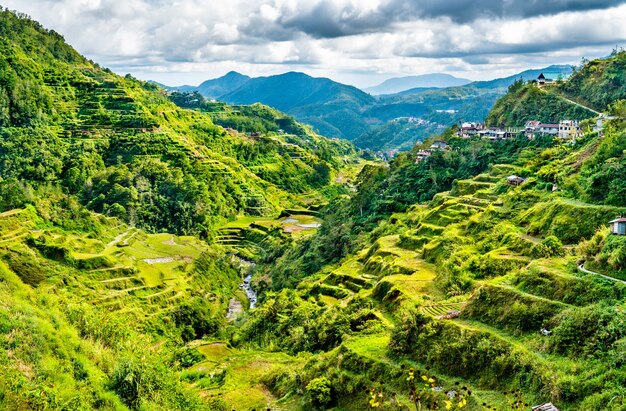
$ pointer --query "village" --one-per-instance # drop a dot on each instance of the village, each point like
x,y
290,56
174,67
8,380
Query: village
x,y
566,130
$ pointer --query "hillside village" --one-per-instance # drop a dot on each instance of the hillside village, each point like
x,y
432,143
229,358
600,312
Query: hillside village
x,y
566,130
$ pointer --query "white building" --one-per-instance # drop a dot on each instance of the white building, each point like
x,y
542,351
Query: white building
x,y
569,130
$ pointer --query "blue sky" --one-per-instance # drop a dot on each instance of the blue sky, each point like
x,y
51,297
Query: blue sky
x,y
360,42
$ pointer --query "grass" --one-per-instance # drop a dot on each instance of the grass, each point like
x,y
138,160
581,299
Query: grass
x,y
243,385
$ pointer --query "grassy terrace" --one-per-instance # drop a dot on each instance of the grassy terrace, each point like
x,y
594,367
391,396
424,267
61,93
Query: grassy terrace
x,y
478,225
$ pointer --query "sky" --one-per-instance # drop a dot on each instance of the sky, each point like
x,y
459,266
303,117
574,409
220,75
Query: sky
x,y
358,42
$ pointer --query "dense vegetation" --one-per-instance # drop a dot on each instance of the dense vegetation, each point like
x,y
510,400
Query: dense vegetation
x,y
424,279
126,151
447,237
96,307
599,82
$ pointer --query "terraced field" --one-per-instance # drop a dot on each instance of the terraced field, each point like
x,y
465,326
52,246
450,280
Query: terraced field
x,y
230,376
249,234
132,269
479,226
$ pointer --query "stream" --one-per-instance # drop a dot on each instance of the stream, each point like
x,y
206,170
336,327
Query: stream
x,y
250,292
234,306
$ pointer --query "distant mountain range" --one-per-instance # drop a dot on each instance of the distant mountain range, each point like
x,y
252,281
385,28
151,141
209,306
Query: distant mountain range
x,y
399,84
342,111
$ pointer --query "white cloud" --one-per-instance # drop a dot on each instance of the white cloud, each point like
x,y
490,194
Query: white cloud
x,y
356,41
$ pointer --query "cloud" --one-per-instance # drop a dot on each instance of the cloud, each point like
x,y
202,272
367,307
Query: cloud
x,y
338,38
336,18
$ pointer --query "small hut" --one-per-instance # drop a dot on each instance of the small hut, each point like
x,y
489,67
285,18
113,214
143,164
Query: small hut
x,y
618,226
541,80
545,407
515,180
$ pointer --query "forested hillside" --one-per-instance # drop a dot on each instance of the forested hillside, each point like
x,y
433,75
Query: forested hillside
x,y
120,145
107,187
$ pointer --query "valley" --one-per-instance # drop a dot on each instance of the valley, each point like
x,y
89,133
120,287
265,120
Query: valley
x,y
163,251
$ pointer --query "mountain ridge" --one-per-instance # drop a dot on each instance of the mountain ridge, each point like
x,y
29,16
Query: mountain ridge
x,y
434,80
344,111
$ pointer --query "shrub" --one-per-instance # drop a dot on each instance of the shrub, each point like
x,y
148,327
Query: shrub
x,y
126,381
195,319
188,356
319,391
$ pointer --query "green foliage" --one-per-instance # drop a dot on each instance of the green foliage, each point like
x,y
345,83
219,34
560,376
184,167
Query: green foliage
x,y
589,331
126,151
280,323
550,246
140,383
188,356
604,175
510,310
599,82
15,194
195,319
319,390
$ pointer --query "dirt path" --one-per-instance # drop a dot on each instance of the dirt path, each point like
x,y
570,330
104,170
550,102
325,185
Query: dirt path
x,y
577,104
584,270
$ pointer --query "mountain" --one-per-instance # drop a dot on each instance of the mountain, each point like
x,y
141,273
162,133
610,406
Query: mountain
x,y
184,88
332,108
477,283
341,111
217,87
398,84
439,107
151,259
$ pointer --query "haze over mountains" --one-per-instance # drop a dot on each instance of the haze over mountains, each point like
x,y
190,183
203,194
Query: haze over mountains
x,y
342,111
398,84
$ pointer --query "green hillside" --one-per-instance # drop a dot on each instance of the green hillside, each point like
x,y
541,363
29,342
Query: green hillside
x,y
160,251
594,86
107,189
443,268
526,102
125,150
341,111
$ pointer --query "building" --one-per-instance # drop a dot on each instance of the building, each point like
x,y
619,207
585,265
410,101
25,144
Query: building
x,y
545,407
467,130
542,80
530,128
547,129
422,155
439,145
618,227
515,180
569,130
601,122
